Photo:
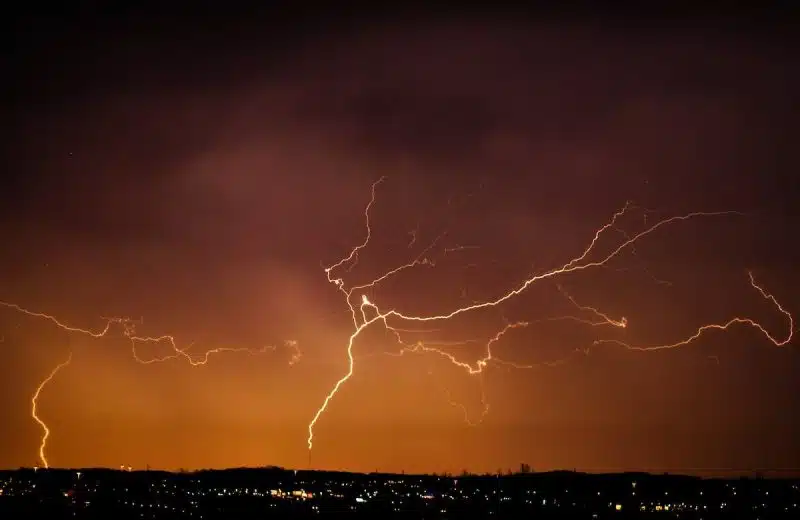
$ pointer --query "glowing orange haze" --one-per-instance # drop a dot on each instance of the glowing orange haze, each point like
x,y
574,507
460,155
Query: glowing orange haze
x,y
361,426
194,183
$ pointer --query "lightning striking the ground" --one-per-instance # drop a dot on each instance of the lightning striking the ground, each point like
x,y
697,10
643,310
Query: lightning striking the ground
x,y
128,327
367,313
35,415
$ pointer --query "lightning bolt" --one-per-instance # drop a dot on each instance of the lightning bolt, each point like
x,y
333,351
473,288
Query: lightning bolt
x,y
370,313
463,409
129,331
339,283
34,414
722,326
413,233
456,249
604,319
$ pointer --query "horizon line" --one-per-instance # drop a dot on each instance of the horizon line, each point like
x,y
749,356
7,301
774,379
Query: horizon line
x,y
702,473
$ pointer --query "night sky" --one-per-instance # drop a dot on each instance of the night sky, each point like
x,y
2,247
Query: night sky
x,y
198,173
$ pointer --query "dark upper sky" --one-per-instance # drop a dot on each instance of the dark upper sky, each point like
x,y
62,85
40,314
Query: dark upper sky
x,y
197,171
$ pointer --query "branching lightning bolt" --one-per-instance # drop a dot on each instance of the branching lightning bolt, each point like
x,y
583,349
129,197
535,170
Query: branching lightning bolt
x,y
35,402
460,406
129,331
723,326
370,312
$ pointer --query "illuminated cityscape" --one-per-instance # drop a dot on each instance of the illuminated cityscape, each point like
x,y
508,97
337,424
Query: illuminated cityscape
x,y
254,493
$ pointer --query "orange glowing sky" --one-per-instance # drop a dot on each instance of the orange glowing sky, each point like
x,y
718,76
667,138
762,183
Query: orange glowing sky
x,y
203,199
